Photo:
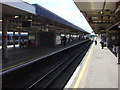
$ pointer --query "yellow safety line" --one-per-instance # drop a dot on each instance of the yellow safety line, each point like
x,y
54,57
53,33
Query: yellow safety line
x,y
76,85
17,64
20,59
22,62
25,61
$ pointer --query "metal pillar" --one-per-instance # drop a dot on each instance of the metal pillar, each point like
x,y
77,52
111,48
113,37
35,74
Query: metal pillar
x,y
107,39
36,37
118,54
19,38
14,39
4,41
118,46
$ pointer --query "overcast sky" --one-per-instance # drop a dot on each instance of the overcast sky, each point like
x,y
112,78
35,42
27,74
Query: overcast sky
x,y
66,9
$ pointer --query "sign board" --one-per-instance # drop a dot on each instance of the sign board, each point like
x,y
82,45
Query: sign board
x,y
58,40
32,37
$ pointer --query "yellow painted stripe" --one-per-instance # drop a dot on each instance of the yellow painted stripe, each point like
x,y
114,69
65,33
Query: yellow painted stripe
x,y
28,60
24,61
76,85
17,64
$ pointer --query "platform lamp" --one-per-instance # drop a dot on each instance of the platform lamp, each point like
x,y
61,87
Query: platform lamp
x,y
118,45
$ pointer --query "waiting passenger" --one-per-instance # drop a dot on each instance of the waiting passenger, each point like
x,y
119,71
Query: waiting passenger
x,y
79,38
22,44
29,43
95,42
64,39
102,44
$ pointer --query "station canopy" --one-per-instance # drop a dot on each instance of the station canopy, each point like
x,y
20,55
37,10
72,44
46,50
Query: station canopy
x,y
52,16
102,15
37,12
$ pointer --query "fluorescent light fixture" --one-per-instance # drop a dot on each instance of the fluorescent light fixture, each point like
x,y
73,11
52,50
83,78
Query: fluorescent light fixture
x,y
29,19
9,32
19,27
62,34
0,20
24,33
16,16
16,32
95,21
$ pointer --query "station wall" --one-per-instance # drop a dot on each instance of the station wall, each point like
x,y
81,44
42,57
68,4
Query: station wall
x,y
43,39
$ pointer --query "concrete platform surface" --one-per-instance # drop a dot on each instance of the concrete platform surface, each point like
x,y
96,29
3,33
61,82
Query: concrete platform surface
x,y
22,56
98,69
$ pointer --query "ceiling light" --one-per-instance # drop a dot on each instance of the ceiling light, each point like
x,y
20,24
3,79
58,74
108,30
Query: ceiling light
x,y
16,16
101,12
29,19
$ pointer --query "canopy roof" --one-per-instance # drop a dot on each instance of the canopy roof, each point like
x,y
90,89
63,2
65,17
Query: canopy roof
x,y
52,16
101,14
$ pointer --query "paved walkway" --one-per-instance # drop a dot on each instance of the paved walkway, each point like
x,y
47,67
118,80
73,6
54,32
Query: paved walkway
x,y
99,69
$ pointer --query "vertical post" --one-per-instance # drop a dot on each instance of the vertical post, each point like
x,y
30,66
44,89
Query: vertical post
x,y
107,41
14,39
36,37
118,44
4,40
19,38
118,54
1,51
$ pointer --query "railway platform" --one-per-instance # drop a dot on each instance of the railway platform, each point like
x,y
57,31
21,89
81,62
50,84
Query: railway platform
x,y
50,64
98,69
23,56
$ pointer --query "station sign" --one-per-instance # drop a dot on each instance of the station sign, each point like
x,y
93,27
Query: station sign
x,y
107,12
32,37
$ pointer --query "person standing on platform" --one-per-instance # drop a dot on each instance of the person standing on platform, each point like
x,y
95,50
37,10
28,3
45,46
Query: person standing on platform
x,y
64,40
102,44
95,42
29,43
22,43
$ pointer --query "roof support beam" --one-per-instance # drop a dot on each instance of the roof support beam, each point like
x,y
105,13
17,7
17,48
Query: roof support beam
x,y
117,5
113,25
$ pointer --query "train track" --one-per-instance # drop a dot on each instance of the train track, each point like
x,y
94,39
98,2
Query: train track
x,y
50,79
47,80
